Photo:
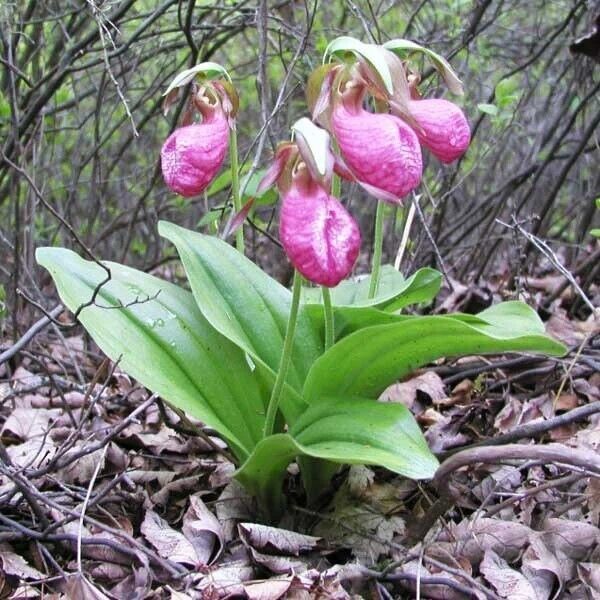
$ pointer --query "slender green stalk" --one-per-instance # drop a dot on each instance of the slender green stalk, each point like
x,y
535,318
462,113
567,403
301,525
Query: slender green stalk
x,y
377,249
336,189
286,356
235,186
328,314
336,185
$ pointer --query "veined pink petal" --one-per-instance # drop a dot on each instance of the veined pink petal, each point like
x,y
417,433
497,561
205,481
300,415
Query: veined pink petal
x,y
320,237
192,155
380,150
444,130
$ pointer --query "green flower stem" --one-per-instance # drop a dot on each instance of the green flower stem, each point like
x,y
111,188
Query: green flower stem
x,y
286,357
235,186
336,186
336,190
377,249
328,313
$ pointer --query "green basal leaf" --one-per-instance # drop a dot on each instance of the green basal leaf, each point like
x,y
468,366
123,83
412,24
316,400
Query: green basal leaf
x,y
246,306
365,362
393,293
595,233
373,54
345,431
210,70
158,335
400,46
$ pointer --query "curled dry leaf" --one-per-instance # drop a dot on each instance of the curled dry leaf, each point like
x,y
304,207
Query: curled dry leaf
x,y
27,423
203,530
226,581
571,539
272,539
542,569
474,537
79,588
278,564
82,469
135,586
408,392
269,589
589,573
181,485
508,582
168,543
234,505
14,564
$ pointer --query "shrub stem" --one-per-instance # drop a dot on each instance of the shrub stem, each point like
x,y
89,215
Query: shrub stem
x,y
286,356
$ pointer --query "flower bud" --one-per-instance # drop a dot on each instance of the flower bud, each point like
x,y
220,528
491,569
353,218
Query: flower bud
x,y
318,234
442,128
381,151
192,155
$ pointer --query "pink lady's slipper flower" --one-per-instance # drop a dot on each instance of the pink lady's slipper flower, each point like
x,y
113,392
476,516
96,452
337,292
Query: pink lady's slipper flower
x,y
380,150
192,155
319,236
442,128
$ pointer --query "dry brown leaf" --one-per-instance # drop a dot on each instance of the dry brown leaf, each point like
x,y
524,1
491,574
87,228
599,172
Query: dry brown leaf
x,y
507,582
589,573
82,469
592,493
280,565
221,474
183,484
226,581
22,378
591,391
234,505
203,530
168,543
273,539
462,393
503,478
559,326
541,567
27,423
474,537
407,392
162,478
269,589
444,432
14,564
359,526
572,539
100,551
175,595
434,591
33,453
135,586
78,587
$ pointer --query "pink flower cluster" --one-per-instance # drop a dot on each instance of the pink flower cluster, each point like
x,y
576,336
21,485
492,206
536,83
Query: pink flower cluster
x,y
382,153
379,150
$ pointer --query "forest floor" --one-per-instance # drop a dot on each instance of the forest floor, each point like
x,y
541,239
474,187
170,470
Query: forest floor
x,y
107,493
